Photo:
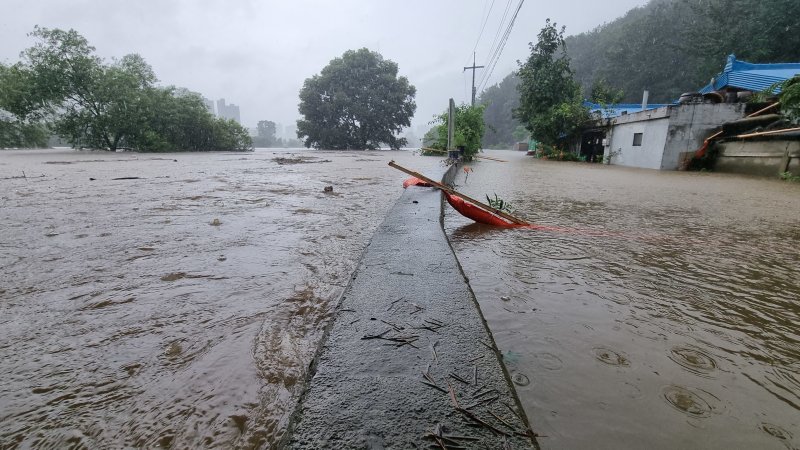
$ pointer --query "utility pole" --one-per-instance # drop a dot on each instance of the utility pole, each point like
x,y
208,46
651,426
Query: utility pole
x,y
473,68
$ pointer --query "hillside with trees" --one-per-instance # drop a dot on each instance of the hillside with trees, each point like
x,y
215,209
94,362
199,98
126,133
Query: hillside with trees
x,y
667,47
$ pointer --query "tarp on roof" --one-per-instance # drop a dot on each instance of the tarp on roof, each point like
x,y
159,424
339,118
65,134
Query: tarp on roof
x,y
751,77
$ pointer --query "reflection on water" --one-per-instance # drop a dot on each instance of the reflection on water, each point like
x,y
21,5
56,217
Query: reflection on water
x,y
664,308
181,308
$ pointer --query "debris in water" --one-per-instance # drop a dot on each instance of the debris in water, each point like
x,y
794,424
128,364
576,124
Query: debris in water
x,y
215,223
328,189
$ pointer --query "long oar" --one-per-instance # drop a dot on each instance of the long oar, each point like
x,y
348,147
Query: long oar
x,y
449,190
436,150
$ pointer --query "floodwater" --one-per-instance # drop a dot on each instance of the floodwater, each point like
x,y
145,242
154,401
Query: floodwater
x,y
178,309
663,313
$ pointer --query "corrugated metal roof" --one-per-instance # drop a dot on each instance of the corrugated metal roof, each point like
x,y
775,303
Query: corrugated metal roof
x,y
751,77
617,109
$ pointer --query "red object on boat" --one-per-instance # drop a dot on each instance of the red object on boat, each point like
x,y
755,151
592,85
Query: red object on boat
x,y
479,215
414,181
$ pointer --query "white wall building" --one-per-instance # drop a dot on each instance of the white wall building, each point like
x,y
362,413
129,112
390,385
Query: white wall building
x,y
661,138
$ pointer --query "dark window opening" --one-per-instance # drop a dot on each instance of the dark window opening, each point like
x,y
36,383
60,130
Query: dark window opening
x,y
637,139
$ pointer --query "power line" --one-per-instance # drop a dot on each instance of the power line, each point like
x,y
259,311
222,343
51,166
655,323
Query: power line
x,y
483,27
491,66
492,47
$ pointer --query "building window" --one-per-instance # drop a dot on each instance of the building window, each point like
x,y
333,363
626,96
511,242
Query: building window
x,y
637,139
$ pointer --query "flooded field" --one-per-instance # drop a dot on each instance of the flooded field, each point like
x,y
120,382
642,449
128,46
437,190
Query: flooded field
x,y
181,308
664,313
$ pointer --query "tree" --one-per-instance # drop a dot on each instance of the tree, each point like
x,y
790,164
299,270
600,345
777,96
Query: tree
x,y
99,105
19,126
266,134
551,107
468,132
356,102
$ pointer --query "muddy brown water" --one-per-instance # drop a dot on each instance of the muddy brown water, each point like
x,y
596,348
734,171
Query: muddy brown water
x,y
178,309
663,313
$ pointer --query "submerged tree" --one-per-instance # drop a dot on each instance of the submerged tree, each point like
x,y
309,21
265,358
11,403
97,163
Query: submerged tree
x,y
468,131
550,106
61,82
356,102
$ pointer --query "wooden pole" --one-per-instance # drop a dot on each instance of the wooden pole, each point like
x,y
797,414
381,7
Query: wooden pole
x,y
436,150
768,133
447,189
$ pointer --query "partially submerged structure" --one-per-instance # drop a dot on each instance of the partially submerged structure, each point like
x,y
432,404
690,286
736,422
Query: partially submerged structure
x,y
665,136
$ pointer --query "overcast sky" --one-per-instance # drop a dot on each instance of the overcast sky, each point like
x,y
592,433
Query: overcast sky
x,y
256,53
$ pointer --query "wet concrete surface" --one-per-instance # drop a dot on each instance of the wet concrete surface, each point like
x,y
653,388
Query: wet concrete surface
x,y
407,337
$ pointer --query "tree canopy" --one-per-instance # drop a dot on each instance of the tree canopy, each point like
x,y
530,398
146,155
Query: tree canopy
x,y
61,85
468,132
550,105
356,102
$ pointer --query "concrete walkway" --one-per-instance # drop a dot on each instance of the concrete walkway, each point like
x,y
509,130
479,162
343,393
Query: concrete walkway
x,y
409,311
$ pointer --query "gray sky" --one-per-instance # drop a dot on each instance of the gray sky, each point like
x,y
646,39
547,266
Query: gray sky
x,y
256,54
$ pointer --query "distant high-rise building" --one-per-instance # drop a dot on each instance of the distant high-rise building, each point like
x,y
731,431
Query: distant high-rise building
x,y
209,105
230,111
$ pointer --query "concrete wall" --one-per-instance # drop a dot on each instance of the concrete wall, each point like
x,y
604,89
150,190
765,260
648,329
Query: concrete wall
x,y
668,134
690,125
764,158
653,125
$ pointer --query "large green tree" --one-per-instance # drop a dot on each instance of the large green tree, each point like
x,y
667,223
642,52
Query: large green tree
x,y
550,107
356,102
60,82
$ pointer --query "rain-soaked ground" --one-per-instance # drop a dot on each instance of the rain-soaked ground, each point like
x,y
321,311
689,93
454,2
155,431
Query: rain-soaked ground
x,y
663,313
181,308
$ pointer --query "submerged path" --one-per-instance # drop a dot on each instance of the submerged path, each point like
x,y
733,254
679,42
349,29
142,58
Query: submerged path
x,y
408,361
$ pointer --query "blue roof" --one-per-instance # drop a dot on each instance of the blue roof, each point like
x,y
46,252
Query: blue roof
x,y
751,77
617,109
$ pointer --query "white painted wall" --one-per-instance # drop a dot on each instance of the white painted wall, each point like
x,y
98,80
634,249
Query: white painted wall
x,y
654,135
667,133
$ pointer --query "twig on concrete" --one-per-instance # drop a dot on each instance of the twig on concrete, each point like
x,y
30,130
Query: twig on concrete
x,y
500,419
512,410
482,402
433,386
376,336
483,394
481,421
458,378
475,375
396,327
453,396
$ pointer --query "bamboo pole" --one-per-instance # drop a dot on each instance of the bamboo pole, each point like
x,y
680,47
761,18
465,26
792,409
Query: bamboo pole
x,y
449,190
436,150
767,133
702,150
